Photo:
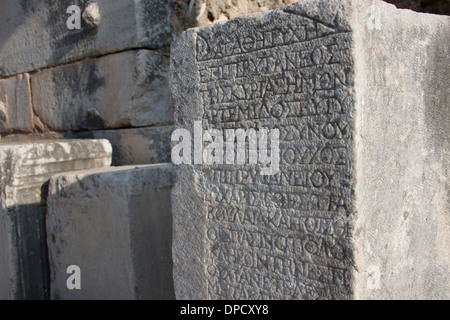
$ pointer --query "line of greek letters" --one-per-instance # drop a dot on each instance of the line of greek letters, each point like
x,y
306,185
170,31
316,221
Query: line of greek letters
x,y
273,63
280,219
284,289
285,200
306,244
315,128
277,193
217,47
276,87
277,267
308,178
297,154
246,283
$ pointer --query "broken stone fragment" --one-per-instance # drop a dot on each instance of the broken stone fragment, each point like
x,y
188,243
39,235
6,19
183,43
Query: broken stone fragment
x,y
91,15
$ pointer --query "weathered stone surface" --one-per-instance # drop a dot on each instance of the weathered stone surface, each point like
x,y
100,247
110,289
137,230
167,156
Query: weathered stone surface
x,y
135,146
35,33
403,226
15,104
128,89
359,208
25,168
196,13
115,224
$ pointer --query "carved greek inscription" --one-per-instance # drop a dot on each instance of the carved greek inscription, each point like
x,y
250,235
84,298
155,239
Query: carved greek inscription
x,y
263,36
285,236
285,62
306,201
270,280
275,110
279,220
288,176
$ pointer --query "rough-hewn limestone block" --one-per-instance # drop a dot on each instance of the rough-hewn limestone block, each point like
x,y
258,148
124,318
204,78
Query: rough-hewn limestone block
x,y
135,146
35,33
25,168
15,104
128,89
359,208
116,225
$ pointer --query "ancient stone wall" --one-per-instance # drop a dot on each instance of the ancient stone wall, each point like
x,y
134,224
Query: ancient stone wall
x,y
108,78
310,224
